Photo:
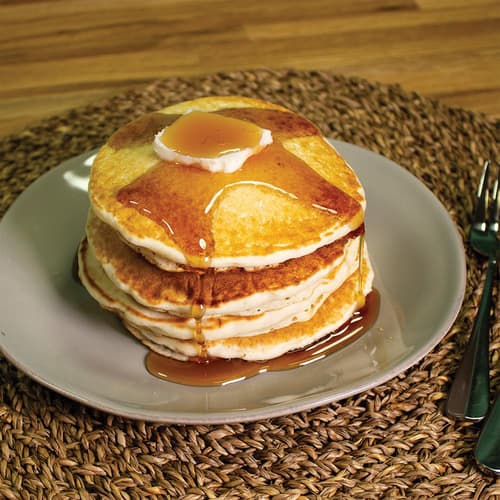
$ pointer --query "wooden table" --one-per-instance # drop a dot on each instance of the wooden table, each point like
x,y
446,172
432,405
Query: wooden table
x,y
56,55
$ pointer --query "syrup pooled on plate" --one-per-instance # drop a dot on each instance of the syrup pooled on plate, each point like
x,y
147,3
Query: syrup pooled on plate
x,y
214,372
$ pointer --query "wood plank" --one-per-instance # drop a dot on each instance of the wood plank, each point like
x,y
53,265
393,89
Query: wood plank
x,y
211,10
214,52
450,5
381,21
483,101
28,108
72,73
367,47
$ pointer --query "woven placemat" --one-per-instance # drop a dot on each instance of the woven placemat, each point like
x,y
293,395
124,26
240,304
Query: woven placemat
x,y
393,441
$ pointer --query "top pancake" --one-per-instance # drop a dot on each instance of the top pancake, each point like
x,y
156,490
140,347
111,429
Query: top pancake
x,y
293,197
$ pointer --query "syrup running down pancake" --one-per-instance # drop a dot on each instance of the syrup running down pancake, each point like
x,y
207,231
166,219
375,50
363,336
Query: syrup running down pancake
x,y
225,228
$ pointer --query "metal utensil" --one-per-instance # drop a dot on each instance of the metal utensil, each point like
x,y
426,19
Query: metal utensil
x,y
469,394
488,446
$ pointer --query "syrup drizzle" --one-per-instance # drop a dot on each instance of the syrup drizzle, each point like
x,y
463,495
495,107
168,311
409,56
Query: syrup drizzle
x,y
284,125
360,296
215,372
198,310
181,198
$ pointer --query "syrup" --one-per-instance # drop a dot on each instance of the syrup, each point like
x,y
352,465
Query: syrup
x,y
283,124
208,135
360,296
198,307
140,131
215,372
180,198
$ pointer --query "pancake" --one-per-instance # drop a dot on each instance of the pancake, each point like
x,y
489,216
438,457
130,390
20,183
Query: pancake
x,y
232,291
225,228
292,198
300,306
253,338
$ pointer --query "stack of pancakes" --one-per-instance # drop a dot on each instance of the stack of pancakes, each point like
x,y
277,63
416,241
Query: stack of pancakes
x,y
250,264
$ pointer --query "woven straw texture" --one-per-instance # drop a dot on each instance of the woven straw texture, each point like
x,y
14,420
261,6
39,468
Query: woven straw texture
x,y
393,441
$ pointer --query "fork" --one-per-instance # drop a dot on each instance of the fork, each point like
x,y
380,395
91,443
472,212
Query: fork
x,y
469,393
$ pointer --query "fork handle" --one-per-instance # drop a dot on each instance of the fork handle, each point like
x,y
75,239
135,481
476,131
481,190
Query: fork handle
x,y
469,394
488,445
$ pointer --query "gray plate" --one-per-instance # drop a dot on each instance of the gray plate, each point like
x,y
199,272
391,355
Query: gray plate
x,y
52,330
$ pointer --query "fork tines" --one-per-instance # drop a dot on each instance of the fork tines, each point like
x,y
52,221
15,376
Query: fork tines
x,y
481,203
